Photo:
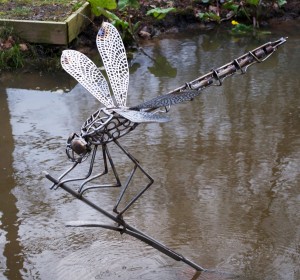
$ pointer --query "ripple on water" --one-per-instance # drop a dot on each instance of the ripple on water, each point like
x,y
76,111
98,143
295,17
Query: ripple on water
x,y
118,260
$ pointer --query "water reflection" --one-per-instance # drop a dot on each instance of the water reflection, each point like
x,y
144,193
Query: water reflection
x,y
11,259
162,68
226,193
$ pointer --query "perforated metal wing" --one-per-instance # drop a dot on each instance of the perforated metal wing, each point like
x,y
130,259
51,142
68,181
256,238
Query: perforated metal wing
x,y
142,117
168,99
114,58
87,74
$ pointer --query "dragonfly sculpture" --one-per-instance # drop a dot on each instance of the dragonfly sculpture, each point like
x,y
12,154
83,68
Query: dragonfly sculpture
x,y
116,119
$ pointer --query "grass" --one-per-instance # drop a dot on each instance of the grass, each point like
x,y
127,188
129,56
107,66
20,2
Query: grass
x,y
21,11
40,2
35,57
39,9
14,53
12,57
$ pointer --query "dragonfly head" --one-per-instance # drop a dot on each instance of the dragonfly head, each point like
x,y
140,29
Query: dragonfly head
x,y
77,148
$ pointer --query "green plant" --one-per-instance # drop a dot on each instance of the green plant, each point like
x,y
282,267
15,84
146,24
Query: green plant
x,y
160,13
209,16
249,9
77,6
281,2
125,26
252,9
100,7
21,11
231,6
42,9
123,4
11,58
241,29
6,31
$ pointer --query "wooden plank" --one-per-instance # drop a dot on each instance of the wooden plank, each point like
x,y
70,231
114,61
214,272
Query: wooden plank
x,y
48,32
51,32
78,21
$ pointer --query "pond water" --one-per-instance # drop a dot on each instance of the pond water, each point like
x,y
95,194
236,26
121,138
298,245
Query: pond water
x,y
226,168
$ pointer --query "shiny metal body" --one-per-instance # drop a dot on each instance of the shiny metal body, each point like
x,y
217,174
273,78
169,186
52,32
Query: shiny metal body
x,y
107,125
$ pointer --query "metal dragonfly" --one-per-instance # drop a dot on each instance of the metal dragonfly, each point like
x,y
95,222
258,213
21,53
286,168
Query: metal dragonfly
x,y
116,119
111,122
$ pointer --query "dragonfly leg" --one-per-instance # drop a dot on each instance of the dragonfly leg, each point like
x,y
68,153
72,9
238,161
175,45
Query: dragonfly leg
x,y
129,179
54,185
74,165
106,155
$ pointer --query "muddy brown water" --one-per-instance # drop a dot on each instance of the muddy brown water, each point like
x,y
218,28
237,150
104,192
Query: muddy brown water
x,y
226,169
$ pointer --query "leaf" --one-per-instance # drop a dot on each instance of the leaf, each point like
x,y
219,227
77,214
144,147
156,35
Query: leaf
x,y
136,26
230,6
209,17
160,13
104,4
109,14
281,2
122,4
124,24
242,29
253,2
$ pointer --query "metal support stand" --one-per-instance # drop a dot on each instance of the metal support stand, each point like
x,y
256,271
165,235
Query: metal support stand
x,y
122,226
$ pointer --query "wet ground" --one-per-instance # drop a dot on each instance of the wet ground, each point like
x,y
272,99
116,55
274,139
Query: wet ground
x,y
226,169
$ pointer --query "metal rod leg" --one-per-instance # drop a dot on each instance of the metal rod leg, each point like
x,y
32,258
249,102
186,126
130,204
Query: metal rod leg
x,y
106,155
81,190
64,174
89,172
124,188
112,166
126,228
136,165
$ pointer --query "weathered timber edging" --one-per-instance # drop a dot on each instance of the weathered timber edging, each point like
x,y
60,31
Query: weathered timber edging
x,y
51,32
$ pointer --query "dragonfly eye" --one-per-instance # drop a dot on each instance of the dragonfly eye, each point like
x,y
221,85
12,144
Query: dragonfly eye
x,y
77,148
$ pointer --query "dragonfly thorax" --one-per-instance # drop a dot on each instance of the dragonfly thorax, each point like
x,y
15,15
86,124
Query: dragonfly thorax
x,y
104,126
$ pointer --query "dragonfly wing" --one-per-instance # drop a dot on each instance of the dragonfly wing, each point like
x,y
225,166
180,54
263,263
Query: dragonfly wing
x,y
87,74
114,58
168,99
142,117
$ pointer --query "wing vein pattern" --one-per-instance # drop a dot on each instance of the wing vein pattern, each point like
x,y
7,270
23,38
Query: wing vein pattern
x,y
87,74
142,117
113,54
